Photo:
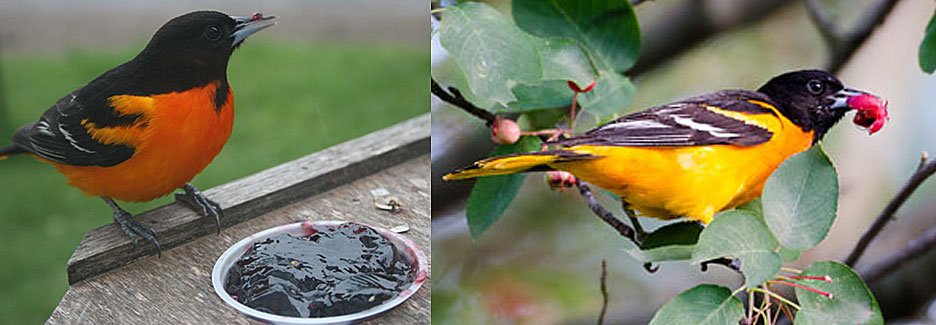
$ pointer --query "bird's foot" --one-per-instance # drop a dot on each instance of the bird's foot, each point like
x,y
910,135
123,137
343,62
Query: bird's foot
x,y
632,215
201,204
132,228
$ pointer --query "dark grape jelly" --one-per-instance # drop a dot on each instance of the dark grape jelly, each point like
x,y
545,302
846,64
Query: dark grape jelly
x,y
334,270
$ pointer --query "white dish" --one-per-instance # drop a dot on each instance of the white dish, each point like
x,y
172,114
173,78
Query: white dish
x,y
405,245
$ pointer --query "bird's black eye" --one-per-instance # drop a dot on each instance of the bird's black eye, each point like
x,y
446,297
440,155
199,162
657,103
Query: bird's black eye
x,y
213,32
815,87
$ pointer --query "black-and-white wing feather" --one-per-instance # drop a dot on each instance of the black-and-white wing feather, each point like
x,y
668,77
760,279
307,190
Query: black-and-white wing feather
x,y
60,136
684,123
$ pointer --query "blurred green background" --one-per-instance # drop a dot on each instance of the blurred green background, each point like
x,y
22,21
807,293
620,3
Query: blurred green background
x,y
293,96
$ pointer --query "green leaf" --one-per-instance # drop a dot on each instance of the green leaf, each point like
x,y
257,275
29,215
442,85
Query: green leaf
x,y
541,119
755,207
789,255
800,199
607,29
492,52
549,94
566,60
674,241
611,95
703,304
851,302
928,47
679,233
742,235
491,196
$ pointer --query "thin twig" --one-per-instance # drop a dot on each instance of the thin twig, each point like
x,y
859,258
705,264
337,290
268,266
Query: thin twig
x,y
843,45
604,291
913,250
604,214
456,98
822,18
922,173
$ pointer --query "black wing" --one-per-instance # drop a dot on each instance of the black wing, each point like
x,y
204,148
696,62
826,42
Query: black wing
x,y
685,123
60,136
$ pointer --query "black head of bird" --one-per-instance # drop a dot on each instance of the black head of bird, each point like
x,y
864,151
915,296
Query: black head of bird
x,y
813,99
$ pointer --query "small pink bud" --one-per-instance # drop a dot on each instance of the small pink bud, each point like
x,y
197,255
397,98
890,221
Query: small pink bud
x,y
504,131
560,180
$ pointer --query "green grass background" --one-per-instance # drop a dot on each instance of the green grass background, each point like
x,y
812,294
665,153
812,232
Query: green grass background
x,y
291,100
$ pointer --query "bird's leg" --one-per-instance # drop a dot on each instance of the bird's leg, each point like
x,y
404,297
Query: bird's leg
x,y
641,234
604,214
133,229
201,204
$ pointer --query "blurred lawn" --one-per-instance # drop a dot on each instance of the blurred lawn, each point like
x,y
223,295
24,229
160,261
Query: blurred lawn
x,y
291,100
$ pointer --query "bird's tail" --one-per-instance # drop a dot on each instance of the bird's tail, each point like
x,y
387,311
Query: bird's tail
x,y
9,151
517,163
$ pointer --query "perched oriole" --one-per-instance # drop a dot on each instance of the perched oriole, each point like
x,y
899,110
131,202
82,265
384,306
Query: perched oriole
x,y
148,126
696,157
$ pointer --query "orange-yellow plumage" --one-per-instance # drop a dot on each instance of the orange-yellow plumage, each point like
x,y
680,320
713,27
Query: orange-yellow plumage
x,y
176,137
693,182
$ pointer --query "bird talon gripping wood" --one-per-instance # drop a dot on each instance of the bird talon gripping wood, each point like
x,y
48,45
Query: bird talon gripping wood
x,y
148,126
709,153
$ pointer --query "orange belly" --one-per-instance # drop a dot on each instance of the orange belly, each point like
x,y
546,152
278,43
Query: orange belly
x,y
178,135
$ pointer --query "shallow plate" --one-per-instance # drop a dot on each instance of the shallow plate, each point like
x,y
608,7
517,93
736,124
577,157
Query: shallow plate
x,y
405,245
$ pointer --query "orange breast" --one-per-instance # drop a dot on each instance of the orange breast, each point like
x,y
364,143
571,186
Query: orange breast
x,y
177,136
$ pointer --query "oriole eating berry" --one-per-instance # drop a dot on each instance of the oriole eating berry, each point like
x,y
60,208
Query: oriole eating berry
x,y
148,126
705,154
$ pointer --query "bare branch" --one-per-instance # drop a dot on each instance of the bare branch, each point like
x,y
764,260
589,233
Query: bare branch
x,y
913,250
456,98
843,45
922,173
823,20
604,291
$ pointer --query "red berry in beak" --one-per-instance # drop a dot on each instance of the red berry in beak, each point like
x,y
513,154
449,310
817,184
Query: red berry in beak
x,y
872,111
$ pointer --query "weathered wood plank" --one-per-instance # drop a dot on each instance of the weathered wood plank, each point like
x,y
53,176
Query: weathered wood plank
x,y
106,248
176,288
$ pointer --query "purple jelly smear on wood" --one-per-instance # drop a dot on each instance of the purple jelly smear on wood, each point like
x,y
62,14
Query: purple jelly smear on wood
x,y
337,270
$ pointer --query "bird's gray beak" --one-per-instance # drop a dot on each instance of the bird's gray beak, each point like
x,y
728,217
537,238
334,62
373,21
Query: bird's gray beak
x,y
249,25
840,99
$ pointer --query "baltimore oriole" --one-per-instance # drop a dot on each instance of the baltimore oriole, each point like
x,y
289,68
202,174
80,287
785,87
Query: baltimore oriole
x,y
696,157
148,126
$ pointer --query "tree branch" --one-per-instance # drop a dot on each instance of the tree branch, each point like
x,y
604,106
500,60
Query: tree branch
x,y
843,45
924,171
456,98
604,291
822,18
913,250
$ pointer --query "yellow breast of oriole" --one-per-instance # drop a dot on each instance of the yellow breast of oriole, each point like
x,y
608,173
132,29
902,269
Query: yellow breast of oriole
x,y
693,182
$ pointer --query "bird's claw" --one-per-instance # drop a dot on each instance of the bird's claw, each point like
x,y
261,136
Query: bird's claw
x,y
134,229
201,204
